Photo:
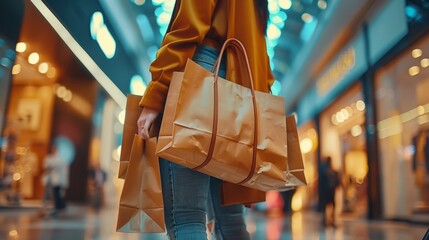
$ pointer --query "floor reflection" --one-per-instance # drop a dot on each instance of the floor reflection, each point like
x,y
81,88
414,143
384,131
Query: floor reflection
x,y
82,223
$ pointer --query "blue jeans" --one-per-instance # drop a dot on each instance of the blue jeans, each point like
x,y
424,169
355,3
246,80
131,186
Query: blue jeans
x,y
190,195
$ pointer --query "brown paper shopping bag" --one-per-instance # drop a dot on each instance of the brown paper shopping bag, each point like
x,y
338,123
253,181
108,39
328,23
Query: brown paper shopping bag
x,y
295,168
132,113
141,207
224,129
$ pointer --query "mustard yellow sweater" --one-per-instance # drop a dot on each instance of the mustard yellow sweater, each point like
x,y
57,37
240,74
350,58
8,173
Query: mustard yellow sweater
x,y
211,22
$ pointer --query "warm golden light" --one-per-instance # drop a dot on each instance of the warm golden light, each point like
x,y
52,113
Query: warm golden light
x,y
13,233
297,200
61,91
360,105
349,110
424,62
16,176
334,120
33,58
356,130
356,164
414,70
306,17
339,117
43,68
51,72
297,223
21,47
306,145
16,69
67,96
345,114
416,53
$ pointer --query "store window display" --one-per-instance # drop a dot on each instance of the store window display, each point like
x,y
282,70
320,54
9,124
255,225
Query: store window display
x,y
403,131
342,134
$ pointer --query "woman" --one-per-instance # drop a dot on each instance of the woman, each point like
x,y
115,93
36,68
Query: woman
x,y
197,30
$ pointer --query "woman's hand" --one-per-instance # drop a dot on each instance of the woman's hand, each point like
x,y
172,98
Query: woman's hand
x,y
145,121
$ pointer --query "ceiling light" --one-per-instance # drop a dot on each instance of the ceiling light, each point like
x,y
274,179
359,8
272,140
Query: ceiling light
x,y
339,117
322,4
273,32
16,69
33,58
61,91
306,17
356,130
414,70
424,62
345,114
273,7
285,4
416,53
21,47
51,72
360,105
68,95
349,110
137,85
139,2
43,68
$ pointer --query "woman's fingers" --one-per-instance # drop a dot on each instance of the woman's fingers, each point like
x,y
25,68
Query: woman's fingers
x,y
146,127
145,121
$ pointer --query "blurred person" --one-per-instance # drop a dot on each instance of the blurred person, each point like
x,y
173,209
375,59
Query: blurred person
x,y
55,180
329,180
198,30
7,183
97,178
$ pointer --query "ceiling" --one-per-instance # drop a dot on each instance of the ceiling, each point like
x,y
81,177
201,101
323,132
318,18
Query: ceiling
x,y
42,39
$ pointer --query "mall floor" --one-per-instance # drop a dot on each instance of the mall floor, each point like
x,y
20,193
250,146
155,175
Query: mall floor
x,y
81,222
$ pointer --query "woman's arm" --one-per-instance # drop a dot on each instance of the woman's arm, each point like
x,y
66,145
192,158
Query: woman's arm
x,y
187,31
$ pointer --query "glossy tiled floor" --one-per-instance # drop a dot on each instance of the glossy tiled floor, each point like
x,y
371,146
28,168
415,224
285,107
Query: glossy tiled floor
x,y
82,223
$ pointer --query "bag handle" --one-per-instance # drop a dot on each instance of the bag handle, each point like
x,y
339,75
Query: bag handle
x,y
232,42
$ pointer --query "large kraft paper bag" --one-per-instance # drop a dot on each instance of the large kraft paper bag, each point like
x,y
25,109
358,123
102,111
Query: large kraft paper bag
x,y
141,207
197,98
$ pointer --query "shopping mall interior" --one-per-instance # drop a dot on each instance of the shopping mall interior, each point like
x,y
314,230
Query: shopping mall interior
x,y
354,74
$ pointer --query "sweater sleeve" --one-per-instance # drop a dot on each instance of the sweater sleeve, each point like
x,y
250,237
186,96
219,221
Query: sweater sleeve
x,y
187,31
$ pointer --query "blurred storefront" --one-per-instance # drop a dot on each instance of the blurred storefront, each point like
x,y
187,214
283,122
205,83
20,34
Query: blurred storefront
x,y
362,101
51,100
52,97
401,88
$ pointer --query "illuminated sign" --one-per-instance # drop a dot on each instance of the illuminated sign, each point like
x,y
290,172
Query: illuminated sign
x,y
337,71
